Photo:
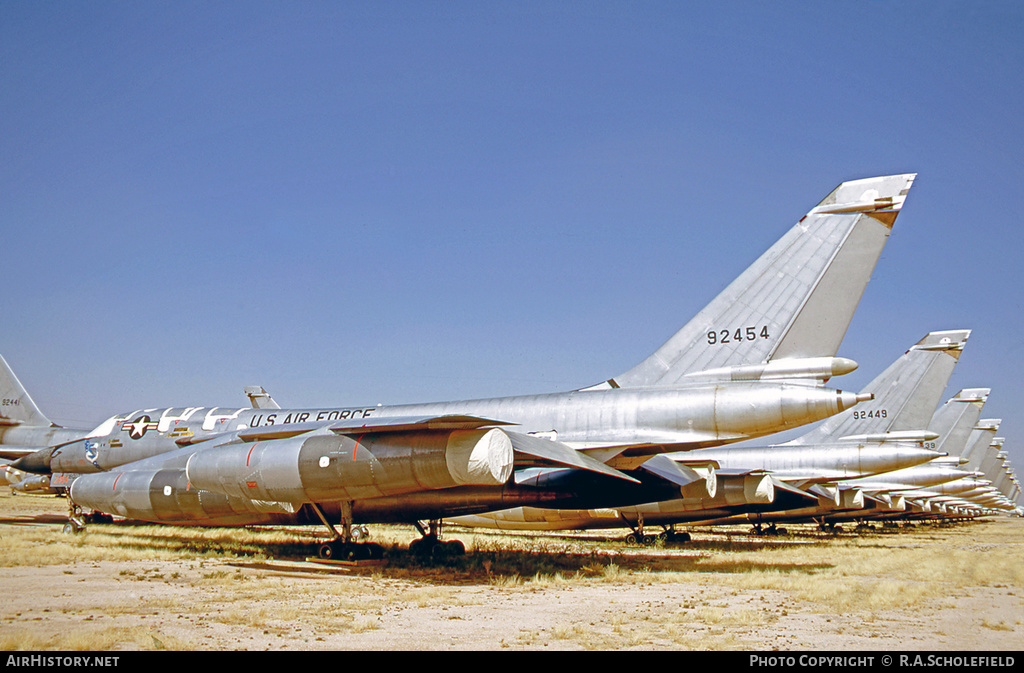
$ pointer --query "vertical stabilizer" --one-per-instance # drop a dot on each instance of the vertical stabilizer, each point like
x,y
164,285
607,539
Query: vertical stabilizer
x,y
955,420
260,398
979,441
905,394
16,405
793,304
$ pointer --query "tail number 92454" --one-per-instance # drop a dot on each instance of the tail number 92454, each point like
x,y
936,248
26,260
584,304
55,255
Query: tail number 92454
x,y
725,336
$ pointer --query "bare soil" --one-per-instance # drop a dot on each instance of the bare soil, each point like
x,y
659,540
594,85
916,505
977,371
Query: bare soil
x,y
120,587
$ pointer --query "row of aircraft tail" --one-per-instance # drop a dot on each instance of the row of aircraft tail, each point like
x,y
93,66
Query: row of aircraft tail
x,y
647,447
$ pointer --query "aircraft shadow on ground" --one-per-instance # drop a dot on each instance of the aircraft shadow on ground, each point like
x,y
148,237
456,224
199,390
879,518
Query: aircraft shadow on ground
x,y
292,553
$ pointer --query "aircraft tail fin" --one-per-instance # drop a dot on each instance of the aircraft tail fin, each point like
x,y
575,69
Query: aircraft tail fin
x,y
16,405
785,316
905,396
260,398
955,420
981,438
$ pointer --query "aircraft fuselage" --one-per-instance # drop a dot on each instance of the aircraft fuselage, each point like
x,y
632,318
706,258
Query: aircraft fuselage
x,y
668,419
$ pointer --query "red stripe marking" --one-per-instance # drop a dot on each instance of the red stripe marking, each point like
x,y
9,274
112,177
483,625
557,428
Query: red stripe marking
x,y
115,482
250,454
356,447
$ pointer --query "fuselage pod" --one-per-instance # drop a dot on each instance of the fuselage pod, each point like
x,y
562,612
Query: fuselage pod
x,y
165,495
751,489
326,466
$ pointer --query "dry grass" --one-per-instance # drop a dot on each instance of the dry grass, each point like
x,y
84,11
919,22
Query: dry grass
x,y
230,589
86,639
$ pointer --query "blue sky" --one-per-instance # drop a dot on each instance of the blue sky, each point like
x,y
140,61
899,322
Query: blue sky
x,y
363,202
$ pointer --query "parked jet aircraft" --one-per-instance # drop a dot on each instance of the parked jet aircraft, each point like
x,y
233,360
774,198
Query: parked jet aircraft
x,y
751,363
775,481
891,495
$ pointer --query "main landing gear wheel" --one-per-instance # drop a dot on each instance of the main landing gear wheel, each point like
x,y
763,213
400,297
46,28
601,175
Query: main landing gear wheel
x,y
76,519
429,546
641,539
770,530
671,536
338,550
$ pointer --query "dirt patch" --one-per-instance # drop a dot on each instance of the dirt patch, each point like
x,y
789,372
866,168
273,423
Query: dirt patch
x,y
124,587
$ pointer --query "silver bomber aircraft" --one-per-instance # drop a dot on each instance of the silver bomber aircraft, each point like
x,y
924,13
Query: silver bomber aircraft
x,y
753,362
796,479
886,496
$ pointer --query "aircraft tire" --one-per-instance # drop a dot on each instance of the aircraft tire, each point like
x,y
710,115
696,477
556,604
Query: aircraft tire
x,y
674,537
450,549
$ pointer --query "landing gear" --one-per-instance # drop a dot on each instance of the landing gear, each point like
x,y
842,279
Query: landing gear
x,y
638,538
771,530
73,528
669,535
348,544
337,550
76,520
431,546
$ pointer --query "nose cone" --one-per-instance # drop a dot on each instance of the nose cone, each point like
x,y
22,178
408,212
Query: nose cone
x,y
37,462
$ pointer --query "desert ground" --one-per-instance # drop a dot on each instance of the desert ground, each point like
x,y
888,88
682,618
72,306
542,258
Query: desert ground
x,y
141,587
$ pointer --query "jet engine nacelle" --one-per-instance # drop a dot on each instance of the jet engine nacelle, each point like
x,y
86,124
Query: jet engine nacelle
x,y
851,498
326,466
747,490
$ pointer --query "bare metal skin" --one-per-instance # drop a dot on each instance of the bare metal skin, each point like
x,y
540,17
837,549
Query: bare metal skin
x,y
753,362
